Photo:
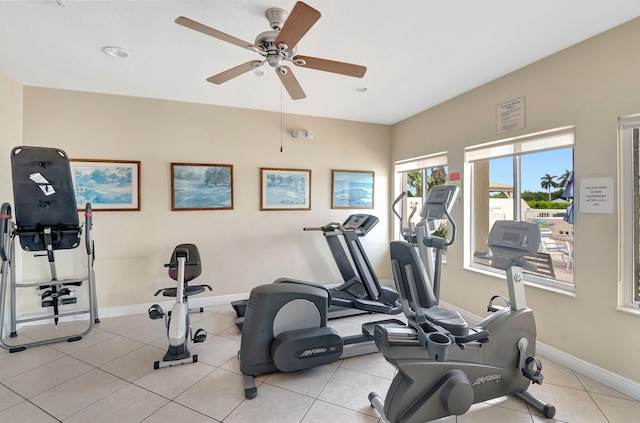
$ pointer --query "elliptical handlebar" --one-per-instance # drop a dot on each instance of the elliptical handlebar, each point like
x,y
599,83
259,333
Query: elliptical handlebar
x,y
451,240
395,203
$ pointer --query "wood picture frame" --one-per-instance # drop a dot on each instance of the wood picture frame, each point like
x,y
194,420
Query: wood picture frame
x,y
199,186
285,189
109,185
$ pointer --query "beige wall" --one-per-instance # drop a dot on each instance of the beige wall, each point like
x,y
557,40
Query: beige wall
x,y
10,131
589,86
240,248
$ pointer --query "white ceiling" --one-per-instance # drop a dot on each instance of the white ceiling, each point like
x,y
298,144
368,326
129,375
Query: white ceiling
x,y
419,53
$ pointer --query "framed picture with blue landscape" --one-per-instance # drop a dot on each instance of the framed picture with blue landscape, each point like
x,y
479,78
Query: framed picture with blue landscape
x,y
352,189
285,189
196,186
109,185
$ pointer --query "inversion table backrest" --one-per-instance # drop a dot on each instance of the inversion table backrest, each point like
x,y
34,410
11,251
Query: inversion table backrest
x,y
44,198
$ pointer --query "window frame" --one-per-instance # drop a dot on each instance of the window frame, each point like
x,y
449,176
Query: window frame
x,y
628,223
514,147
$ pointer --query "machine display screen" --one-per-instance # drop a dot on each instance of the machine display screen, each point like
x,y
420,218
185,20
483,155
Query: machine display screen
x,y
511,236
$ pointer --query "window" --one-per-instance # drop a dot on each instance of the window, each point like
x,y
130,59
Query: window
x,y
629,219
415,177
524,178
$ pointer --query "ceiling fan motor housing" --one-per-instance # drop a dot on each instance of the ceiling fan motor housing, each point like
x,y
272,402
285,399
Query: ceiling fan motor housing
x,y
275,56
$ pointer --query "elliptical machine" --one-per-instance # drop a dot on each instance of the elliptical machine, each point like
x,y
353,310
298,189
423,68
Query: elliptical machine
x,y
184,266
443,366
285,329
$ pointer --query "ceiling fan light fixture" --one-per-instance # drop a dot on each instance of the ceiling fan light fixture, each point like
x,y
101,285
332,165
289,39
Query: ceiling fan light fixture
x,y
362,89
118,52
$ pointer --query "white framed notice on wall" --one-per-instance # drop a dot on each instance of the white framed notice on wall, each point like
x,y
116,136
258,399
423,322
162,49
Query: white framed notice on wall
x,y
596,195
510,116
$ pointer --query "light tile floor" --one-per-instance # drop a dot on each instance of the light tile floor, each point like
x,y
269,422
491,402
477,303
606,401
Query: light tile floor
x,y
108,377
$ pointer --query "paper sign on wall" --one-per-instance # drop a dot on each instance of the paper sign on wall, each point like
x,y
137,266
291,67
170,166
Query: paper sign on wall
x,y
596,195
510,116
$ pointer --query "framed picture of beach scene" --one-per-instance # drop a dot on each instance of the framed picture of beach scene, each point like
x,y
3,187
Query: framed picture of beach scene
x,y
198,186
285,189
109,185
352,189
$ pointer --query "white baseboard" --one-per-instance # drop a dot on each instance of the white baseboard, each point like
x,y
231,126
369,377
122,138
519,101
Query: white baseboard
x,y
603,376
600,375
128,310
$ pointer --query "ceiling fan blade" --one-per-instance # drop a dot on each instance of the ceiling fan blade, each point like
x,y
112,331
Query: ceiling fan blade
x,y
197,26
348,69
223,77
300,20
290,83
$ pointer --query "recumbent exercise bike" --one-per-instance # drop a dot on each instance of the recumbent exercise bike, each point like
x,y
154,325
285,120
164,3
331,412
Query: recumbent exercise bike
x,y
184,266
443,365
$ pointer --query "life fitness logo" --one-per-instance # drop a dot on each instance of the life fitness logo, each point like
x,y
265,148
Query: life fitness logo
x,y
489,378
313,352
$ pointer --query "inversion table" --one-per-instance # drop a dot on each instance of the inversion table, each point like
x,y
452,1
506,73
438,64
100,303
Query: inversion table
x,y
46,220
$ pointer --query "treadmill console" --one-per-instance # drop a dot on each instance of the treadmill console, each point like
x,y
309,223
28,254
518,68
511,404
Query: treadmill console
x,y
439,198
360,223
509,241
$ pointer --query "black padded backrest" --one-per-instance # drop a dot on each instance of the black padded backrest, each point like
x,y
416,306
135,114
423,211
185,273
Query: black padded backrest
x,y
44,197
403,253
192,269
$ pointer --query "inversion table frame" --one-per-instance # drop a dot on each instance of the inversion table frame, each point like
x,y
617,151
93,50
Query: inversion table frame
x,y
46,220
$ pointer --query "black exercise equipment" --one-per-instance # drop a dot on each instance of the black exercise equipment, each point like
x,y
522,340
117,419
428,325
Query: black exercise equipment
x,y
46,220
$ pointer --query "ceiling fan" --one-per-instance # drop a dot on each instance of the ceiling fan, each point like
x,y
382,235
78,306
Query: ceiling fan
x,y
277,47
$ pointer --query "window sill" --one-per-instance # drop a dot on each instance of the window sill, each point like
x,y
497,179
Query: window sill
x,y
488,271
629,310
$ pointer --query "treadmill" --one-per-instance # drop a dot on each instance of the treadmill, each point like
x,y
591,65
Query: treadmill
x,y
361,291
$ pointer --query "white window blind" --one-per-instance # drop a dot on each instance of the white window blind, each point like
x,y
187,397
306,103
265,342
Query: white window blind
x,y
423,162
537,142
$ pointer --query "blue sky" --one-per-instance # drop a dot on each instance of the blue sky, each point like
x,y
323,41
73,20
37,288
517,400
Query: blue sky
x,y
534,167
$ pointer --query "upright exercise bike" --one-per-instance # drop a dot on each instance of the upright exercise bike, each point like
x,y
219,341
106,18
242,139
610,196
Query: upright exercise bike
x,y
443,365
184,266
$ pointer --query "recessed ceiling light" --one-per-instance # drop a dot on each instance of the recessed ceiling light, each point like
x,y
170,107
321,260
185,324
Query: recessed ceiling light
x,y
257,72
116,52
362,89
